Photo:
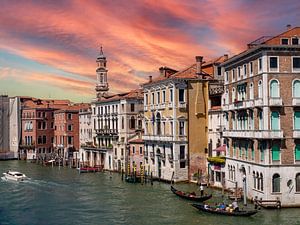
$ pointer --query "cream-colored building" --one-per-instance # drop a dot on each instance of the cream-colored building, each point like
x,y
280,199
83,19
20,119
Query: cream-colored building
x,y
176,122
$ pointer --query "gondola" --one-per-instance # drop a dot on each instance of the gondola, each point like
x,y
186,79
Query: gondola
x,y
223,212
190,196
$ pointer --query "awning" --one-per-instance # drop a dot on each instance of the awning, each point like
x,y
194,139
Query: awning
x,y
222,148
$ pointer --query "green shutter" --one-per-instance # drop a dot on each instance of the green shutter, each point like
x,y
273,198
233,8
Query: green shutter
x,y
274,89
274,120
297,152
252,152
275,153
297,120
296,89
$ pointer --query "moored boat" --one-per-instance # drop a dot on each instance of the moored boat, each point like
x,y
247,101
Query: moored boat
x,y
190,196
14,175
244,213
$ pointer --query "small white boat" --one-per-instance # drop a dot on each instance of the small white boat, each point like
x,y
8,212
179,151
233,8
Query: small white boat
x,y
14,175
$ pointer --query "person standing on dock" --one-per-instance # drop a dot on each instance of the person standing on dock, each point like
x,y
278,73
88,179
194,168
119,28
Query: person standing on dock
x,y
201,190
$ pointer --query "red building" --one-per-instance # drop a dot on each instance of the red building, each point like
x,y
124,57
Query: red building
x,y
38,127
66,131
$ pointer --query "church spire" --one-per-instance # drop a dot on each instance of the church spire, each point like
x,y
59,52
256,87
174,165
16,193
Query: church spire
x,y
101,71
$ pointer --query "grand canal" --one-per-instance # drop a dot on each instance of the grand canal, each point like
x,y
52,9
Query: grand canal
x,y
62,196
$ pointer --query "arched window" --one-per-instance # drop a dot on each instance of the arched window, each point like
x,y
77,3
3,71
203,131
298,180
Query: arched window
x,y
251,91
276,183
227,97
275,123
122,123
275,152
261,182
260,89
233,95
254,180
158,124
298,182
257,181
274,89
233,172
296,89
132,122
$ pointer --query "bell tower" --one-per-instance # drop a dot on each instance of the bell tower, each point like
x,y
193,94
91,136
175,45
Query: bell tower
x,y
101,71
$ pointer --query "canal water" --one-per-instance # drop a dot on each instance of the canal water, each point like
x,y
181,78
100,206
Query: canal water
x,y
63,196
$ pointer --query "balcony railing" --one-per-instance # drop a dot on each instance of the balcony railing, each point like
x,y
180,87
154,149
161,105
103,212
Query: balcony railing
x,y
170,104
260,134
182,105
258,102
157,138
296,101
162,106
296,134
275,101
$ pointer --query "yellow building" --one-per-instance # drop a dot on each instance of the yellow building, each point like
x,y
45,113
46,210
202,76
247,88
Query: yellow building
x,y
176,121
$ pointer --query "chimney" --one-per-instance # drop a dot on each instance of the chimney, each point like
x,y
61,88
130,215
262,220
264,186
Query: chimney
x,y
288,27
161,71
225,57
199,65
150,79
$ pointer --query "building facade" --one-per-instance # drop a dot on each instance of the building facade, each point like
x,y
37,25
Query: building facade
x,y
262,118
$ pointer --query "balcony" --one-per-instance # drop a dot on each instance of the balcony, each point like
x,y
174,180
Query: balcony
x,y
260,134
275,101
170,104
182,105
145,108
296,101
296,134
162,106
157,138
152,107
269,134
258,102
225,107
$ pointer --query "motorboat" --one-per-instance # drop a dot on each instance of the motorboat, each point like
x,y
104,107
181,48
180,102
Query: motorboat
x,y
14,175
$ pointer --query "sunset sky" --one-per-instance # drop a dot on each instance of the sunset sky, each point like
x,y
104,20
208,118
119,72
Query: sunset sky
x,y
48,48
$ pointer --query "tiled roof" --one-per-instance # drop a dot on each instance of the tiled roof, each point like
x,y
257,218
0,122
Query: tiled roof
x,y
133,94
190,72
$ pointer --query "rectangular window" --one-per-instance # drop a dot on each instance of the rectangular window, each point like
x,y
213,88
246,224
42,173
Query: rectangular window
x,y
295,41
152,99
171,95
70,127
163,96
141,150
273,63
296,63
181,95
226,76
219,71
181,128
259,64
245,70
182,156
251,67
70,140
239,72
233,75
284,41
158,97
132,107
133,150
146,99
44,139
69,116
